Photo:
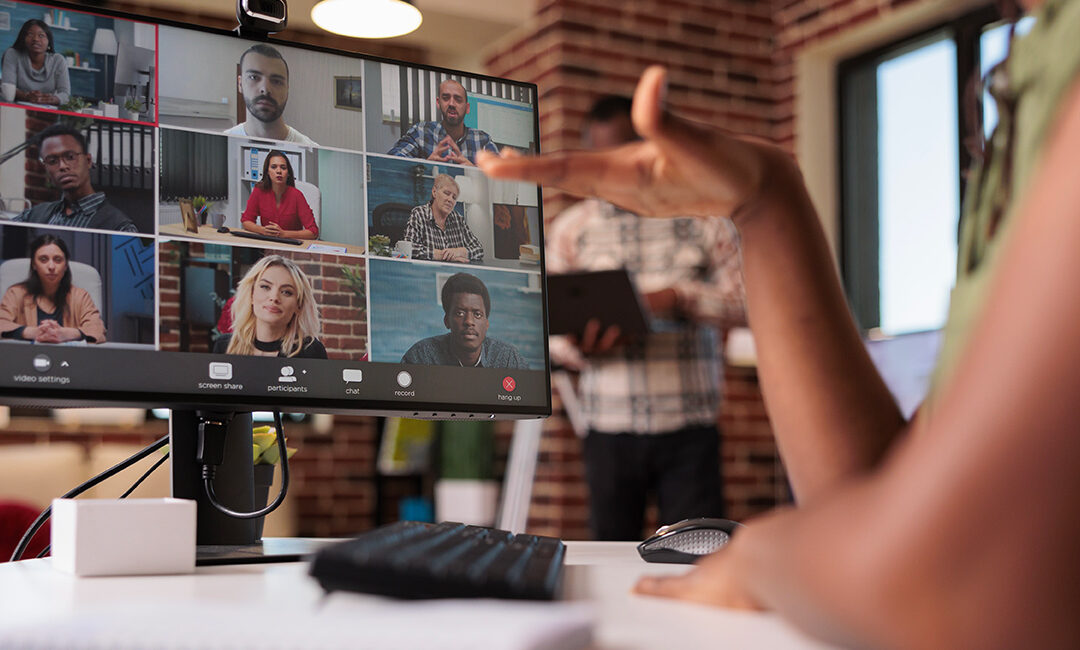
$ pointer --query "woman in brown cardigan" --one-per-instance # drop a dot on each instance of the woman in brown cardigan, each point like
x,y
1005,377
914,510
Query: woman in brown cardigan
x,y
46,308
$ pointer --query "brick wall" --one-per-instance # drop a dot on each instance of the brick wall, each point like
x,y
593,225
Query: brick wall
x,y
801,23
720,59
731,63
719,53
38,187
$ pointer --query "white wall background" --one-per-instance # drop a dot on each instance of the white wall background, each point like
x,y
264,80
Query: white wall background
x,y
341,179
198,87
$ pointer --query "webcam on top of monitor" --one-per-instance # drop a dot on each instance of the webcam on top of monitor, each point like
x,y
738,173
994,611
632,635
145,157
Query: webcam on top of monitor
x,y
265,16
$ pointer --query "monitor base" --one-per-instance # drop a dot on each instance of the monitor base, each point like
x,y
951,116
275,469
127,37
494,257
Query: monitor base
x,y
282,549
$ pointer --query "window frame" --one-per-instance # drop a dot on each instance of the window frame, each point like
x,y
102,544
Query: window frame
x,y
858,157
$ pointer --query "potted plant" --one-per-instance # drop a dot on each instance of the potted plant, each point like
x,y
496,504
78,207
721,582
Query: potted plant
x,y
75,104
379,245
466,490
132,108
69,56
265,454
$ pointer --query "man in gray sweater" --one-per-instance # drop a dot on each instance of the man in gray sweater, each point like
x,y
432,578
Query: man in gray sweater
x,y
467,307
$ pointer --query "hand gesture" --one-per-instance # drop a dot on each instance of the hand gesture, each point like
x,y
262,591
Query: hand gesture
x,y
49,331
680,168
272,229
440,152
454,154
595,342
460,254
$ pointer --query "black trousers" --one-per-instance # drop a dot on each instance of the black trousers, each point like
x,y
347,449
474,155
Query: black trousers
x,y
682,467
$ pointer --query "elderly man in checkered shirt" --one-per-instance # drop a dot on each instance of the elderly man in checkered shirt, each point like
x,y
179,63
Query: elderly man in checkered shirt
x,y
447,140
651,404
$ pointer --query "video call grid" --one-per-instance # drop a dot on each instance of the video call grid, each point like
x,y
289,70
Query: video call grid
x,y
159,238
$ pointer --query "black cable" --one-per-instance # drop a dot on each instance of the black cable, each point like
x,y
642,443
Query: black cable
x,y
209,470
131,489
145,475
107,474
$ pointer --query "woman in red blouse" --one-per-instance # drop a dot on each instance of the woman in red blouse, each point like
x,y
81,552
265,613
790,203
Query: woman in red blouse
x,y
276,207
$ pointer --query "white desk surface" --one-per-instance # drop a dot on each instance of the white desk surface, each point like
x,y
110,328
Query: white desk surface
x,y
599,574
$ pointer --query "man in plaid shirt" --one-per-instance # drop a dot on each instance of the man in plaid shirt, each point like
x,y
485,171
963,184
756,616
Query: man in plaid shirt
x,y
447,140
651,404
438,231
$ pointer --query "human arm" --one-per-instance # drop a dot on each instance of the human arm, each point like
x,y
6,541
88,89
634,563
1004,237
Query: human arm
x,y
416,233
451,152
61,83
299,210
12,321
966,538
49,331
8,72
85,316
409,144
62,92
832,414
473,251
563,255
249,218
258,204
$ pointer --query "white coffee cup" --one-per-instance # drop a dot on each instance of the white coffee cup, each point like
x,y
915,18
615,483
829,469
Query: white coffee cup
x,y
8,92
404,247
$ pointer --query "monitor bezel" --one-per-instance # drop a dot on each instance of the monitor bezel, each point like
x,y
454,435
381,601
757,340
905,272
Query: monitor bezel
x,y
62,398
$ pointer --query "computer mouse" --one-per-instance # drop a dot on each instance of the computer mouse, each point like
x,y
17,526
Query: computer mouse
x,y
223,230
687,541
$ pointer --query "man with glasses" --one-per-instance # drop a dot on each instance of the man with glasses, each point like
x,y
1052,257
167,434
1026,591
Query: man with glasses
x,y
62,150
467,308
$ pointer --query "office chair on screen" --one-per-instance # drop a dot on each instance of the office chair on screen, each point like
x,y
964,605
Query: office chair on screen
x,y
83,276
313,195
390,219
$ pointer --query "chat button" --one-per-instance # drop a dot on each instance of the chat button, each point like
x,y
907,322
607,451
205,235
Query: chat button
x,y
352,376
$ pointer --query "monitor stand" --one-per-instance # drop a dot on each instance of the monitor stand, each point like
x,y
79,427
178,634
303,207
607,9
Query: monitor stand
x,y
219,538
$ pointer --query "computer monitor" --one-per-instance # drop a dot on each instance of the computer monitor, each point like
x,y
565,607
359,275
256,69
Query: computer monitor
x,y
278,226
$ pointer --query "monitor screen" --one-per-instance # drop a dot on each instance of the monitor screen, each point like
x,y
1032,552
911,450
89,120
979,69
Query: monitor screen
x,y
189,218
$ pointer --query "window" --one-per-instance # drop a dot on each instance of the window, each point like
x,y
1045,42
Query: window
x,y
902,129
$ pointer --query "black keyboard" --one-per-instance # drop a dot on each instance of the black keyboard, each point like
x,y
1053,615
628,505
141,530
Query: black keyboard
x,y
255,235
412,559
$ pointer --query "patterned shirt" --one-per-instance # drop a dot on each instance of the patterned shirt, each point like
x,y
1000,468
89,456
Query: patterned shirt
x,y
83,215
426,235
671,379
420,140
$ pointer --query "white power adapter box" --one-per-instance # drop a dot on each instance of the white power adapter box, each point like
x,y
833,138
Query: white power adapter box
x,y
111,537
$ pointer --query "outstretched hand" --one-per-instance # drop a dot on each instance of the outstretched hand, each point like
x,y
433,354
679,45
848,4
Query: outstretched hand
x,y
712,581
679,168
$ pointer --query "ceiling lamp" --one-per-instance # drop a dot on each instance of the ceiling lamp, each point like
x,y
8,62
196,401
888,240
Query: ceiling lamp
x,y
367,18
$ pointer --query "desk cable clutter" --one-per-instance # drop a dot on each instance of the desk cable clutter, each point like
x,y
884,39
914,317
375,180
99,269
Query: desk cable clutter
x,y
91,537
